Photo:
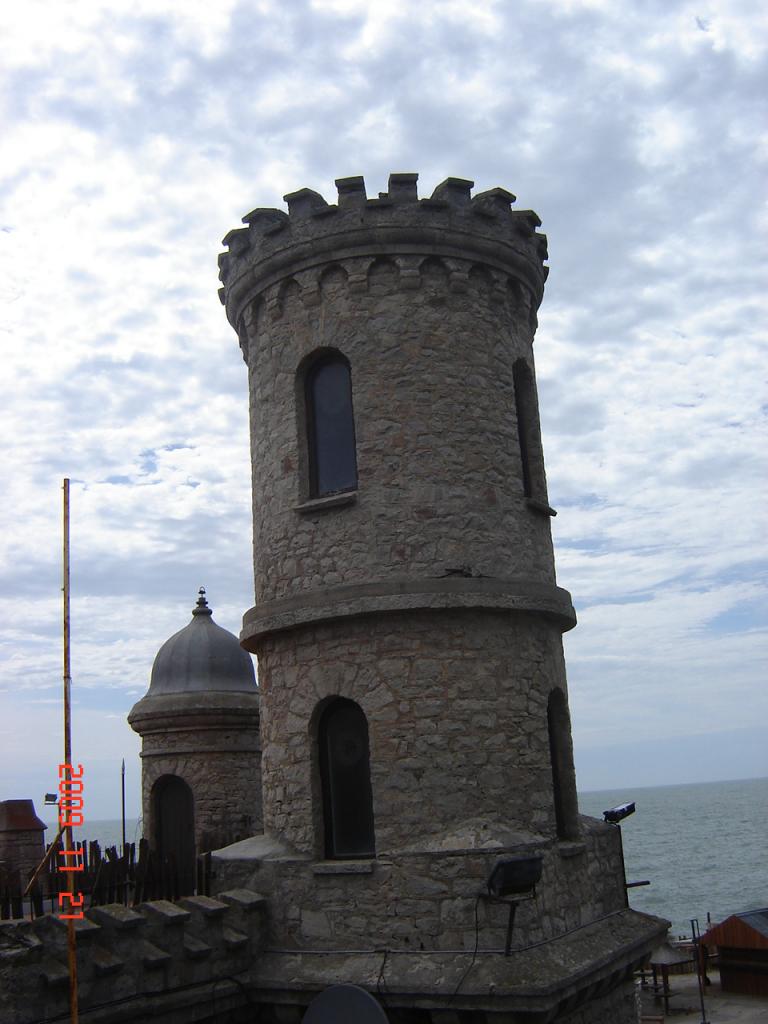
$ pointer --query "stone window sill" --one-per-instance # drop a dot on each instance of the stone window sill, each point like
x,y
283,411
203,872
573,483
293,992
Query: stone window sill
x,y
332,501
343,867
535,505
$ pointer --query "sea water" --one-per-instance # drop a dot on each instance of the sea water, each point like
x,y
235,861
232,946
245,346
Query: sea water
x,y
703,847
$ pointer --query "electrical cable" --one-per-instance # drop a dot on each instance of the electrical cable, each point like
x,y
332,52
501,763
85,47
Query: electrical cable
x,y
380,980
241,986
474,952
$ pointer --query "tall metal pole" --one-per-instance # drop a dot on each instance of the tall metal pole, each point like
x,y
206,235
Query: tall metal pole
x,y
122,796
125,853
696,936
68,840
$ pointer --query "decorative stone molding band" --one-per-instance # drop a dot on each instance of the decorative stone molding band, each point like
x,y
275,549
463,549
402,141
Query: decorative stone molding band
x,y
405,595
375,244
196,711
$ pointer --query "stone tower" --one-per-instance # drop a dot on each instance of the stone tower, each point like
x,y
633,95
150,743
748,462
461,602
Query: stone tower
x,y
407,621
199,723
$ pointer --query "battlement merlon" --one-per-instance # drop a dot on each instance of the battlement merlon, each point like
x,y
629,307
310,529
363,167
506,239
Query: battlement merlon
x,y
450,223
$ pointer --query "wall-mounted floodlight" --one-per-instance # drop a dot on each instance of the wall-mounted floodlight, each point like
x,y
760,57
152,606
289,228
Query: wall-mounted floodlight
x,y
513,880
515,876
617,814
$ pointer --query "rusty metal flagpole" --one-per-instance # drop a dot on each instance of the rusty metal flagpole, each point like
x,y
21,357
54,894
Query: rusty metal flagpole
x,y
68,841
122,800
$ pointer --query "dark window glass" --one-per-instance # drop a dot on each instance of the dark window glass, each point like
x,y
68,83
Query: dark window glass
x,y
555,755
346,781
561,758
330,428
525,417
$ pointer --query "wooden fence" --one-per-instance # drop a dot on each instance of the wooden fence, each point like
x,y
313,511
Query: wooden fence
x,y
108,877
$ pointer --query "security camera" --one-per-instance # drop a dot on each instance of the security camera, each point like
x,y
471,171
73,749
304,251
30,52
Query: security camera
x,y
617,814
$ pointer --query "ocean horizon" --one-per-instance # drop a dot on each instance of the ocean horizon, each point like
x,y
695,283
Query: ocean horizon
x,y
701,845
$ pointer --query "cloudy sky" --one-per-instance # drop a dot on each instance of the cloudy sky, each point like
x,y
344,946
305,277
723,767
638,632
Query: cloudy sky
x,y
136,133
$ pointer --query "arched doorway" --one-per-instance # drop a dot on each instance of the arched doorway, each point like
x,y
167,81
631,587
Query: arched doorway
x,y
173,825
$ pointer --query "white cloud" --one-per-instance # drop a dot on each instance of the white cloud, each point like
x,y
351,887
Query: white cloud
x,y
664,135
136,136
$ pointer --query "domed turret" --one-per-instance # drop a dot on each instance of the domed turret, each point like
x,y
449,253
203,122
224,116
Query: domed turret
x,y
201,658
201,752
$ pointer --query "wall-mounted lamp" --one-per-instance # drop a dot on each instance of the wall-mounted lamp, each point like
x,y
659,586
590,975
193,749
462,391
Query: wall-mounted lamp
x,y
514,876
512,881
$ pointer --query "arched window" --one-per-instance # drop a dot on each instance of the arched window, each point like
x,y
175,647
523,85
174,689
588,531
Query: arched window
x,y
561,758
330,426
345,776
173,829
531,456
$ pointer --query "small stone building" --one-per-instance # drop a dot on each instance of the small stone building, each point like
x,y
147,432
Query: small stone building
x,y
201,753
407,622
22,837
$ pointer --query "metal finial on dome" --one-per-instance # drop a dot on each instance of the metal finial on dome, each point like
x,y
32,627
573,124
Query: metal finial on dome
x,y
202,604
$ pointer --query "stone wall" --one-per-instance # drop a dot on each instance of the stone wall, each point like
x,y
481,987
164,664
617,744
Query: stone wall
x,y
22,851
433,898
617,1007
431,302
212,742
206,961
440,477
456,702
211,961
226,787
165,962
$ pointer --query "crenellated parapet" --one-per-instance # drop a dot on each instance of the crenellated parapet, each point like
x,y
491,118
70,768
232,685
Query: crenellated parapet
x,y
458,229
160,960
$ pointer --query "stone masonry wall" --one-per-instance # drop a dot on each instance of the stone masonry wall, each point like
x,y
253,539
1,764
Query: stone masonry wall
x,y
617,1007
211,741
428,899
456,703
22,850
225,783
160,961
431,345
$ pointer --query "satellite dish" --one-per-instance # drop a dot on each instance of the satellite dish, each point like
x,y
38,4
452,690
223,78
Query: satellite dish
x,y
343,1004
